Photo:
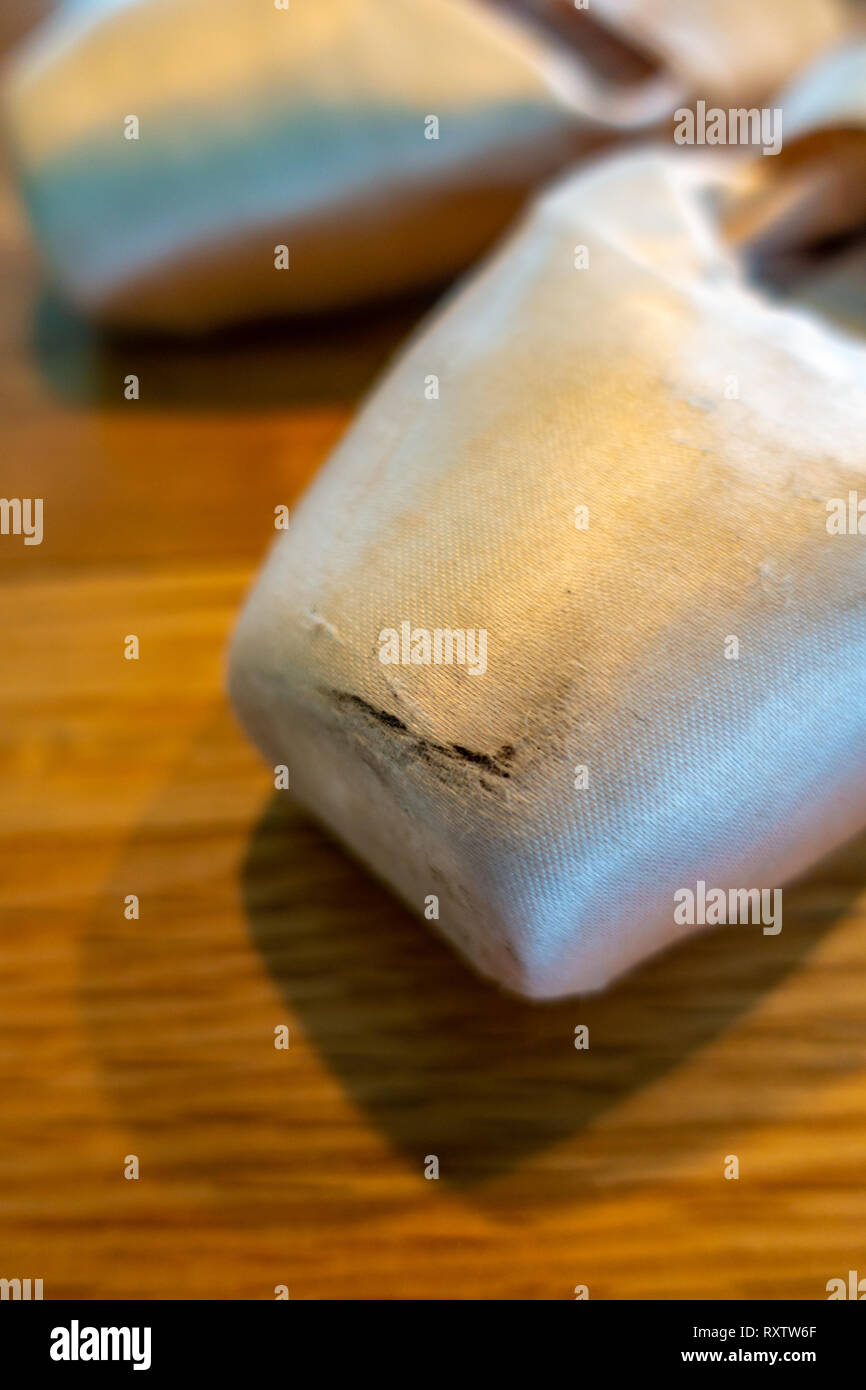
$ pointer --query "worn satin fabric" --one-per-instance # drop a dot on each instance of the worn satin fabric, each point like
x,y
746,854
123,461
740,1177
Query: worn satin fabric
x,y
607,387
305,128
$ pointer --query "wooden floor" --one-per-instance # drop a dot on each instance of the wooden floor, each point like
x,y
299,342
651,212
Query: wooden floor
x,y
155,1037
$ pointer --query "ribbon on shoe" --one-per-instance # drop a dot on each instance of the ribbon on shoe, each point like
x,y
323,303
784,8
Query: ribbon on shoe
x,y
189,163
727,51
784,210
562,628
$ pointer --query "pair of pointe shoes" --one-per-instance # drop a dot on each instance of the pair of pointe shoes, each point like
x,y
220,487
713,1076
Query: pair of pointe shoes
x,y
572,625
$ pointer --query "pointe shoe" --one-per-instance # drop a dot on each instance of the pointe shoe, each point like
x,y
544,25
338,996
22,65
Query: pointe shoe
x,y
191,163
572,625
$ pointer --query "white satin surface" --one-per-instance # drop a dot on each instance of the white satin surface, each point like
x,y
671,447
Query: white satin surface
x,y
705,431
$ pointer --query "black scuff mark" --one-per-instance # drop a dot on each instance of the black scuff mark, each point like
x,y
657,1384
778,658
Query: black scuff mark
x,y
453,754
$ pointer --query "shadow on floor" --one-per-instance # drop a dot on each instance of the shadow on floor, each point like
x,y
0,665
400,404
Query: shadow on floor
x,y
276,364
444,1063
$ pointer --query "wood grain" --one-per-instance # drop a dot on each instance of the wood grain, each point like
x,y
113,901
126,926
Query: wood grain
x,y
155,1037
